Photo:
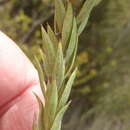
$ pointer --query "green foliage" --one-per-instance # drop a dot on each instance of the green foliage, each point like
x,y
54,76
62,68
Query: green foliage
x,y
102,81
67,26
65,91
59,14
55,61
83,15
56,93
59,67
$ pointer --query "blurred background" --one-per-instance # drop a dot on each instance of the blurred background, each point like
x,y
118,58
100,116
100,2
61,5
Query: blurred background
x,y
101,93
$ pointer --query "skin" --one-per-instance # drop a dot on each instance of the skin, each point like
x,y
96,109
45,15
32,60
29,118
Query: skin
x,y
18,83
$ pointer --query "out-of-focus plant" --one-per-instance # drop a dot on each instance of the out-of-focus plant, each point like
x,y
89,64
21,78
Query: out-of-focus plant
x,y
58,54
108,48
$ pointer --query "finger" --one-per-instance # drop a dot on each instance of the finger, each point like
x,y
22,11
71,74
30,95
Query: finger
x,y
18,81
17,73
20,115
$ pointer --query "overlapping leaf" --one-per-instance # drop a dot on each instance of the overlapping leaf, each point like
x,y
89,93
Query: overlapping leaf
x,y
52,37
66,90
48,46
72,60
67,26
59,117
72,42
49,50
59,14
51,100
59,68
41,74
38,125
84,14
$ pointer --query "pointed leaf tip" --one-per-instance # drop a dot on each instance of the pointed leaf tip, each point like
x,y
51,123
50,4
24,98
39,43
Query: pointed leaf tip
x,y
66,92
67,25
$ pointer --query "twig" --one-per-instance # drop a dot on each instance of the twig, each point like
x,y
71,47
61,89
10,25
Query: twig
x,y
3,2
28,35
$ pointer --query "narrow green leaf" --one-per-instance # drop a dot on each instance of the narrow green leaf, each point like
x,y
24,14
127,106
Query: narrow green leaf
x,y
47,67
66,92
72,42
55,24
85,10
46,121
83,15
72,60
59,14
82,25
59,127
40,72
38,125
59,118
97,2
52,37
51,100
67,25
38,67
49,50
48,46
59,69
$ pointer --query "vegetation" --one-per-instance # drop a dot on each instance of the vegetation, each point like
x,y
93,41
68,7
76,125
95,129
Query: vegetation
x,y
100,95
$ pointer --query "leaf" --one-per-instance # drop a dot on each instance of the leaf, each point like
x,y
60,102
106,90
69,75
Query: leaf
x,y
59,127
67,25
97,2
59,14
41,74
39,125
59,117
46,121
59,69
52,37
51,100
46,67
83,15
72,59
72,42
48,46
66,92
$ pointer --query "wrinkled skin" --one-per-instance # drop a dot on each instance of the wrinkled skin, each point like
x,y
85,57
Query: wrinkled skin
x,y
18,83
